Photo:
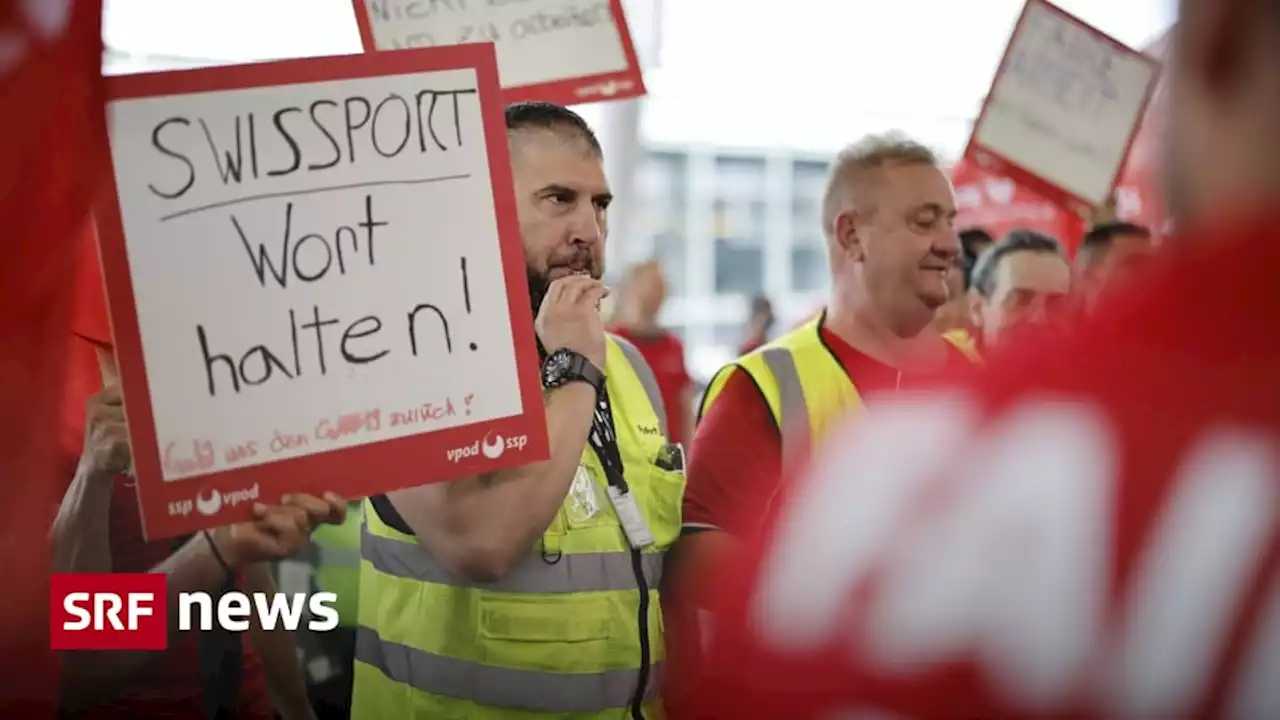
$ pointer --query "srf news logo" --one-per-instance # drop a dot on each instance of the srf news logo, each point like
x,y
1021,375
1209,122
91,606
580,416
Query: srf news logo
x,y
130,611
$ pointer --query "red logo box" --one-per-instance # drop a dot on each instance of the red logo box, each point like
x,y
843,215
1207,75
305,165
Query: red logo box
x,y
108,611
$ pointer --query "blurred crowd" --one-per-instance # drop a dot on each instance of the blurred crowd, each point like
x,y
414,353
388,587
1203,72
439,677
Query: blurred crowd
x,y
958,489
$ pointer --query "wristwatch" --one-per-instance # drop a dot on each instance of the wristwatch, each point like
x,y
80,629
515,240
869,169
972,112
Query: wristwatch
x,y
565,366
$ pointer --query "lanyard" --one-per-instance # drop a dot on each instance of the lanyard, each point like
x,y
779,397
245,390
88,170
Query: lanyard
x,y
604,442
602,438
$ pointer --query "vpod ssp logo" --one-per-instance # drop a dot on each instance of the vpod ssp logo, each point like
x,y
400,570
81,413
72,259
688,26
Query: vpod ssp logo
x,y
492,446
492,449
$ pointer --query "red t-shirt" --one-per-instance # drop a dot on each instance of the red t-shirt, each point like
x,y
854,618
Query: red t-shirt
x,y
171,684
1089,529
737,449
665,354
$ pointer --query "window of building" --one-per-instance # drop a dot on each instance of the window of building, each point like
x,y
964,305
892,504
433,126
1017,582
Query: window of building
x,y
663,200
739,216
809,271
808,246
729,334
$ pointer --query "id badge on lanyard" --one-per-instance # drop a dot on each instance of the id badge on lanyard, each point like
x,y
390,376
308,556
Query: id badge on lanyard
x,y
633,523
604,441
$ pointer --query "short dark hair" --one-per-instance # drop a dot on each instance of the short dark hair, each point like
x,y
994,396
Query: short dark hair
x,y
549,116
984,273
969,241
971,238
1101,236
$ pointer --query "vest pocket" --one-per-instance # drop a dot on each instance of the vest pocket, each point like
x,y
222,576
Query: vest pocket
x,y
664,511
569,633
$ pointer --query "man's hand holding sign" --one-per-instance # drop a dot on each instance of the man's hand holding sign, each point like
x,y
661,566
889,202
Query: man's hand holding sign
x,y
275,531
307,282
1063,108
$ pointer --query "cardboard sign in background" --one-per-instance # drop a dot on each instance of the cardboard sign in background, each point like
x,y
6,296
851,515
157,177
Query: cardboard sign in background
x,y
1063,108
315,281
1139,190
562,51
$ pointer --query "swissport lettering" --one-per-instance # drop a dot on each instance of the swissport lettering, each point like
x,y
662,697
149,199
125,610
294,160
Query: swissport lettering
x,y
309,259
253,190
308,340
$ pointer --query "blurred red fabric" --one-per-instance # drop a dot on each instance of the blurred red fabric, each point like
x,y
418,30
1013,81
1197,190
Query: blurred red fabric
x,y
52,153
90,327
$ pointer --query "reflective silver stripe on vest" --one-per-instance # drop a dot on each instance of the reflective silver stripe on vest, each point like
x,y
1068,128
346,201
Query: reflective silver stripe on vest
x,y
502,687
573,572
794,422
647,379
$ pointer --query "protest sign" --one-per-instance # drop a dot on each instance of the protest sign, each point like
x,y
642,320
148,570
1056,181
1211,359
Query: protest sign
x,y
315,281
561,51
1139,190
1063,108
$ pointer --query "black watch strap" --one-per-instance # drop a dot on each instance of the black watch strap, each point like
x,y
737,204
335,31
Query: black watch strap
x,y
566,366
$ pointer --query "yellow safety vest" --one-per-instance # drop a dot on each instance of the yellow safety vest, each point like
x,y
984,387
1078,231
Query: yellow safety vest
x,y
963,342
802,382
575,628
337,562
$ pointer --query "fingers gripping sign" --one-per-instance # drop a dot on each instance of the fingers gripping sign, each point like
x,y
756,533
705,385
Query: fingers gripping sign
x,y
106,450
279,531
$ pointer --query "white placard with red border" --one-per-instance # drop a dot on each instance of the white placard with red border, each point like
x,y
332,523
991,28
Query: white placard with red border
x,y
1063,108
563,51
315,281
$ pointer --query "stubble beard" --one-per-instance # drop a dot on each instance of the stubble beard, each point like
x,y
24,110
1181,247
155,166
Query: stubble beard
x,y
538,286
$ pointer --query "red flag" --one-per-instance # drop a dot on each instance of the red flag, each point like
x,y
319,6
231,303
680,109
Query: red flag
x,y
90,329
51,156
1001,205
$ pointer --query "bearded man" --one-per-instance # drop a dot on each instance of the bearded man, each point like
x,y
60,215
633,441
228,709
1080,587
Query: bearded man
x,y
533,590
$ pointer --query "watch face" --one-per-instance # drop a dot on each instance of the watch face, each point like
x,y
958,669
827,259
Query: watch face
x,y
554,368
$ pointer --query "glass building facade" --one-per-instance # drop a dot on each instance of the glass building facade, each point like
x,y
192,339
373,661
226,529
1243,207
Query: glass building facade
x,y
729,224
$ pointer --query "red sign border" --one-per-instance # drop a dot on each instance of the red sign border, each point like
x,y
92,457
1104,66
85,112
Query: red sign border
x,y
624,84
994,162
350,472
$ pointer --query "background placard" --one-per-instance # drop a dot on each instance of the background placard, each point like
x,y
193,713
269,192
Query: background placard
x,y
561,51
1063,108
316,281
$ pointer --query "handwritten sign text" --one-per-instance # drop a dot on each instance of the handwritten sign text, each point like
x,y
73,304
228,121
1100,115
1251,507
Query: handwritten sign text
x,y
1063,107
